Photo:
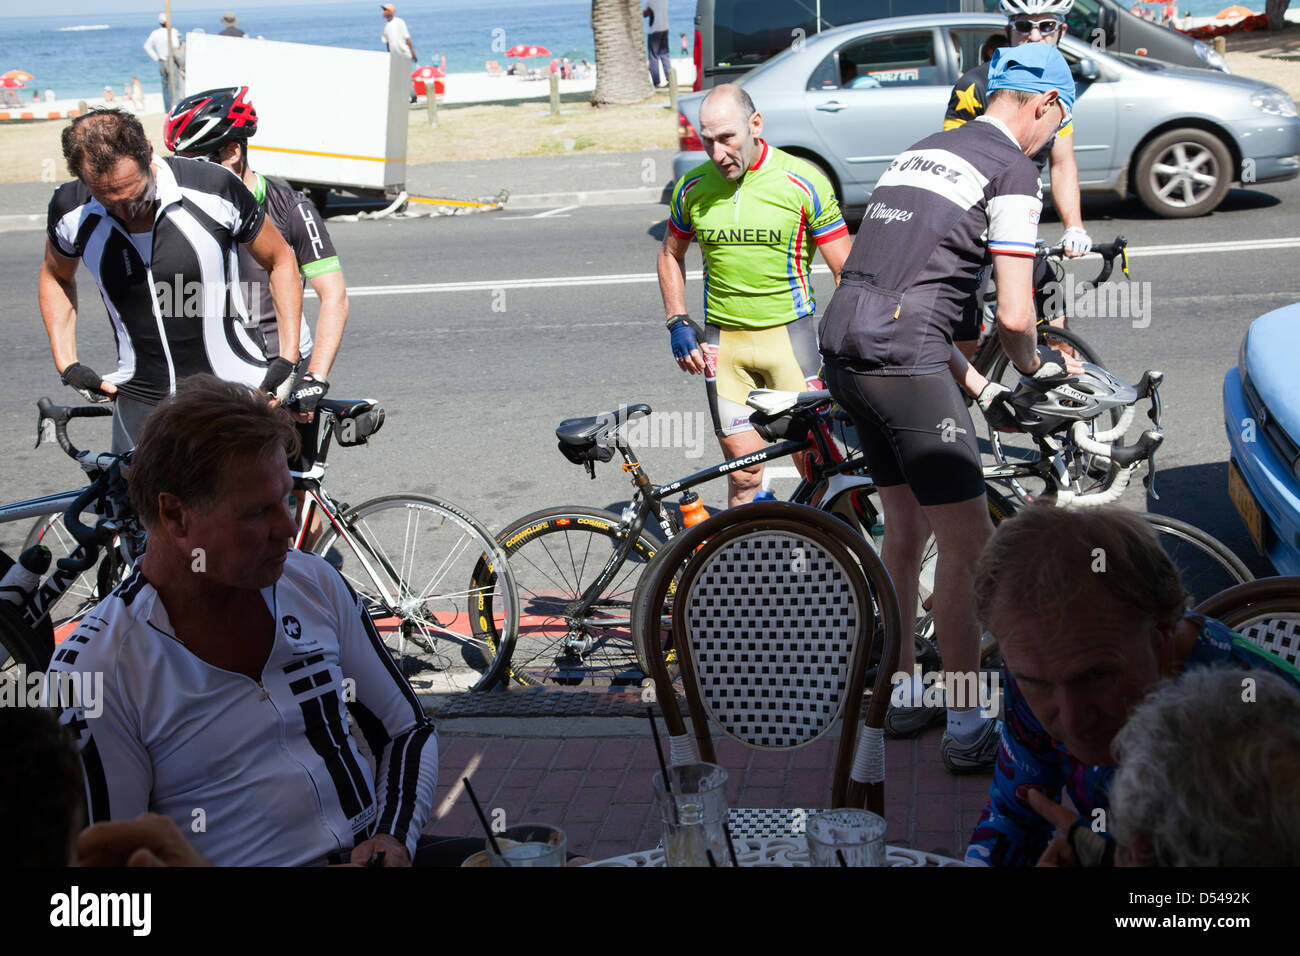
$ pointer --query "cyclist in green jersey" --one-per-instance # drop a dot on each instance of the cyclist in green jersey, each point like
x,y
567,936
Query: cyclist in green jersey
x,y
759,214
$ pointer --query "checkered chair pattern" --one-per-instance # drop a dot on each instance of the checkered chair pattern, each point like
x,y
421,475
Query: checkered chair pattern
x,y
774,612
1266,612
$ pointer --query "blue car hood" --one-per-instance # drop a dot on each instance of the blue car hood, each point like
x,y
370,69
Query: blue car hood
x,y
1272,350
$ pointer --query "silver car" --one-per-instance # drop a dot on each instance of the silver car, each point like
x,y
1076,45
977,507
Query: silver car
x,y
850,99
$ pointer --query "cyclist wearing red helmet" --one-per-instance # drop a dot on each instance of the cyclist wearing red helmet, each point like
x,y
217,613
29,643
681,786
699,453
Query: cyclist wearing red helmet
x,y
215,126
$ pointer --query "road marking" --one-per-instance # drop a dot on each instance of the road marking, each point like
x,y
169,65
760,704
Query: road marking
x,y
632,278
560,213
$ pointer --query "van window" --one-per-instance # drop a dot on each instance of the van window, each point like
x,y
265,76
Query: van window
x,y
904,59
747,32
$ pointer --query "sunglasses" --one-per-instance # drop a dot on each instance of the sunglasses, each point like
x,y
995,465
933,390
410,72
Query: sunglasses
x,y
1045,27
1068,115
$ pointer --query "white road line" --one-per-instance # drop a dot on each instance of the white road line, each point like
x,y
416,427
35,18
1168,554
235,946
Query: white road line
x,y
560,213
632,278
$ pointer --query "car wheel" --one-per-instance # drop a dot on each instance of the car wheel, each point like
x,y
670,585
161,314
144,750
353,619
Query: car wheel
x,y
1183,173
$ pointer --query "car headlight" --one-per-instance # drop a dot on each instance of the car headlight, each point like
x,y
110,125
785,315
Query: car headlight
x,y
1273,101
1213,59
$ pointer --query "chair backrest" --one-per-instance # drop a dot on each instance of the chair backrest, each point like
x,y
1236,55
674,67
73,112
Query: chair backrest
x,y
1265,611
772,622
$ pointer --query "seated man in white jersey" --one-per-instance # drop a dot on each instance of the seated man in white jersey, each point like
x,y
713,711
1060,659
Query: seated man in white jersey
x,y
230,663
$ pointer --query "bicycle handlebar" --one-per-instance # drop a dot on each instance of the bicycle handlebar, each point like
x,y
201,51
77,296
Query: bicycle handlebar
x,y
60,415
1108,251
89,539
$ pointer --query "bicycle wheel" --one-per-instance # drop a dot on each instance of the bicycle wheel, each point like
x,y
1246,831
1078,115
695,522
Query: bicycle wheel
x,y
90,586
435,583
1014,448
556,554
21,651
1205,563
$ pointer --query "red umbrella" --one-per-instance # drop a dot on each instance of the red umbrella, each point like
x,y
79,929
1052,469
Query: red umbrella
x,y
527,51
11,83
421,75
1231,13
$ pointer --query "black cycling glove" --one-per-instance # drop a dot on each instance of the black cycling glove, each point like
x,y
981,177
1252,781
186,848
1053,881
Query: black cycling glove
x,y
85,380
306,393
277,374
1053,365
994,402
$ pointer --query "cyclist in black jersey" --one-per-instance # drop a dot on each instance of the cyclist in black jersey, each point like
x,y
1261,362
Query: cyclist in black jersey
x,y
887,340
215,126
1029,21
158,237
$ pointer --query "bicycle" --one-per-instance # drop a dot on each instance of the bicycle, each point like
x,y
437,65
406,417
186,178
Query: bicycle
x,y
991,361
426,569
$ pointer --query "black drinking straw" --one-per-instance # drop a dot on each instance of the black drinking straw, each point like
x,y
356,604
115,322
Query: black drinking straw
x,y
839,855
709,854
659,749
496,848
731,847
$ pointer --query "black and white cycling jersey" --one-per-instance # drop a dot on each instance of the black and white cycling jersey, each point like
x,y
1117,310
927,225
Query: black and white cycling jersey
x,y
254,773
168,292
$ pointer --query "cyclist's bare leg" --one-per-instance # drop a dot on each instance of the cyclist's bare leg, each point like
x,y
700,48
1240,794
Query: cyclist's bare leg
x,y
961,531
906,531
743,483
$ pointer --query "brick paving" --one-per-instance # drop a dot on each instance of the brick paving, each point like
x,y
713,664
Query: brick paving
x,y
598,788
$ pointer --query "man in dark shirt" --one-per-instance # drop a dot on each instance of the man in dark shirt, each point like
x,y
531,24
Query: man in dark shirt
x,y
231,28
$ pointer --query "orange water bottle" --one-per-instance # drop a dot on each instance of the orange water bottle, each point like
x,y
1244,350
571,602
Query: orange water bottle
x,y
692,510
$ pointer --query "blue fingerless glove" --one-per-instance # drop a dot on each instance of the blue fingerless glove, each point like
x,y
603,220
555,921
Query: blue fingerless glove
x,y
684,338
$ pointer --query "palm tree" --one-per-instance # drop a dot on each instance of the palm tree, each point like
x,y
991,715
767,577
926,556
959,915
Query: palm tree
x,y
622,73
1276,10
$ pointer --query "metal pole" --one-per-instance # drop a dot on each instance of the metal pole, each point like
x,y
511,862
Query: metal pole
x,y
171,56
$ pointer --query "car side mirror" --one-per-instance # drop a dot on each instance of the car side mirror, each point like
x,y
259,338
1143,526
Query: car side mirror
x,y
1086,70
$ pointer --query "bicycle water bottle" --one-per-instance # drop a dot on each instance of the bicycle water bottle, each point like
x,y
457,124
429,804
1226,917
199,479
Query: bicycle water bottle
x,y
20,581
692,510
765,495
878,532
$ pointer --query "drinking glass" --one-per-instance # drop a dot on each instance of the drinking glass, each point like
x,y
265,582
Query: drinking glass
x,y
858,836
693,817
532,844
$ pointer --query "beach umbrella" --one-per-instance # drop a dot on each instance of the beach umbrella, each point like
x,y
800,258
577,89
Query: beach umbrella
x,y
1232,13
524,52
17,75
423,75
10,83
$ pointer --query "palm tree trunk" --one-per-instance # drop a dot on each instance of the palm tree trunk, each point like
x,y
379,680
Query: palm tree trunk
x,y
1276,9
622,71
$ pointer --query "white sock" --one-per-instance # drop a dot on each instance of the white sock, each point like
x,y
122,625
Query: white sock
x,y
965,725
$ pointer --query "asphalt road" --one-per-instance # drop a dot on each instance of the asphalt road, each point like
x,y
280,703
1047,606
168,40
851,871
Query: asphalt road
x,y
480,333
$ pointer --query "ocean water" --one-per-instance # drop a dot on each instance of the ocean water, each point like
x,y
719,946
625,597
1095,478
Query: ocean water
x,y
77,56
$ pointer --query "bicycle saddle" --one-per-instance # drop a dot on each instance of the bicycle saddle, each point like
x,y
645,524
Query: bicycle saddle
x,y
584,431
769,401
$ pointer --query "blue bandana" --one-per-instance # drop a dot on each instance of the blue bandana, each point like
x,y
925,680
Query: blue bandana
x,y
1032,68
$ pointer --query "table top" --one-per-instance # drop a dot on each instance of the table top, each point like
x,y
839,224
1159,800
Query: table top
x,y
781,851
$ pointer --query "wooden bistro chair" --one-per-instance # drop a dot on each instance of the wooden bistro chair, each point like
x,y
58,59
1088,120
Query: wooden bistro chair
x,y
773,611
1265,611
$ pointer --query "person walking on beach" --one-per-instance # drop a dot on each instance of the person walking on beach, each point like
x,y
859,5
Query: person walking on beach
x,y
230,26
158,236
656,13
395,36
685,47
168,60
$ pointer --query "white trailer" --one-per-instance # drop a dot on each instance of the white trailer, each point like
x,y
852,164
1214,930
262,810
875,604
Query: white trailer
x,y
327,117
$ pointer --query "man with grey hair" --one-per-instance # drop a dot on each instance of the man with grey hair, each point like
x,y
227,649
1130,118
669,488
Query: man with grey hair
x,y
759,214
1208,771
1104,622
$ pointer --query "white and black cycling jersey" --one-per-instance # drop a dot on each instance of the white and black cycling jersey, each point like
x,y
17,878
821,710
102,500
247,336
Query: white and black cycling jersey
x,y
254,773
935,214
168,297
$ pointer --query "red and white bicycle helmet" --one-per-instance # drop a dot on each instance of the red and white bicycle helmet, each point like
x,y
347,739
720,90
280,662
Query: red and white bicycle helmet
x,y
206,121
1035,8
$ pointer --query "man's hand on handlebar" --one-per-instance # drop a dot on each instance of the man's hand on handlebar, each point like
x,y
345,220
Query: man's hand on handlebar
x,y
1076,242
686,344
88,382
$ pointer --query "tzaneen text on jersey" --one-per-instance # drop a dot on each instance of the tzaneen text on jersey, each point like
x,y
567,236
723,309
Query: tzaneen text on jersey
x,y
76,909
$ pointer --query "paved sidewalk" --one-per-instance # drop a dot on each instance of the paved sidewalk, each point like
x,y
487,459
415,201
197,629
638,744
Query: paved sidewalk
x,y
594,782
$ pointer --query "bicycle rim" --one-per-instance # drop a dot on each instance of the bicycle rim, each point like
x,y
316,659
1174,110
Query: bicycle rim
x,y
1205,564
435,583
1017,449
555,556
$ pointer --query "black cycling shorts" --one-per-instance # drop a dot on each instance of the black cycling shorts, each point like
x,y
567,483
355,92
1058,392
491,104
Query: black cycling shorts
x,y
1049,303
914,430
